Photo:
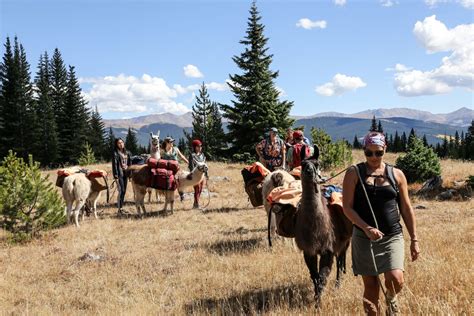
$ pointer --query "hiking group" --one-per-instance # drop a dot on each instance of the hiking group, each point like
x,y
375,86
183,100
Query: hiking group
x,y
375,194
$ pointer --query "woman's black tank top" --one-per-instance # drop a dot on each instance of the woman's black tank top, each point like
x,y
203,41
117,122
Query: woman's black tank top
x,y
384,203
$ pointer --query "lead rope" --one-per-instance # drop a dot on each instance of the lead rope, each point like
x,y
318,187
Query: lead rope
x,y
376,226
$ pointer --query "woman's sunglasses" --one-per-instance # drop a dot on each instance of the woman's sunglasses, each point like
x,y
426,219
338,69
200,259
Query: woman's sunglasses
x,y
377,153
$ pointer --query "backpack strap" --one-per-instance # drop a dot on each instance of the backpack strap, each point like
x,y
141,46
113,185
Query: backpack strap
x,y
362,169
391,177
393,182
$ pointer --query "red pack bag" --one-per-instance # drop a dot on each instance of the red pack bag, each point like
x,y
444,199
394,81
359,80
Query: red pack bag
x,y
172,165
163,179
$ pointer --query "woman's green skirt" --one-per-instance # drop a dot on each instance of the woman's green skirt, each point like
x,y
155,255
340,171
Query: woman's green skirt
x,y
389,253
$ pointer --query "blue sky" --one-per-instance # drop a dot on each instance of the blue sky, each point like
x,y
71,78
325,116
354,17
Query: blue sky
x,y
140,57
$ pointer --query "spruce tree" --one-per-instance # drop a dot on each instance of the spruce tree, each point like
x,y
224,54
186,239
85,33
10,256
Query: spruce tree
x,y
216,142
425,141
17,101
256,107
444,147
46,140
379,127
411,136
404,142
356,143
110,145
131,142
97,133
7,92
58,97
201,116
469,142
397,143
373,125
75,132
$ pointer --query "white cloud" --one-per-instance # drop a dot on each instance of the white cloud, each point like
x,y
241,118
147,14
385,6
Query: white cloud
x,y
398,68
387,3
455,70
340,83
468,4
308,24
131,94
192,71
340,2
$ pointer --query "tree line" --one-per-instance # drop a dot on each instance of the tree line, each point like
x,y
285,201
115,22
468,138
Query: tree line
x,y
47,116
457,146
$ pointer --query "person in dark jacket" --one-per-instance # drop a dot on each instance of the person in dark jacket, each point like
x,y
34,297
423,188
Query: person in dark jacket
x,y
197,156
120,163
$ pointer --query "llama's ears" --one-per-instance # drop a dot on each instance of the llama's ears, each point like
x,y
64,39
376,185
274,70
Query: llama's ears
x,y
303,153
316,152
151,134
158,134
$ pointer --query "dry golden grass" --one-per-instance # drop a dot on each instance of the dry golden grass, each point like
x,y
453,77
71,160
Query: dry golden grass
x,y
217,262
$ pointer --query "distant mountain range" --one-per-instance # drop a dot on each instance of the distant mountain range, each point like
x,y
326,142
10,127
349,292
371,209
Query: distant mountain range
x,y
338,125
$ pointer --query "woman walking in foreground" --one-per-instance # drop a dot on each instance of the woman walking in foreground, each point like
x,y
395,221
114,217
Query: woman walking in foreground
x,y
375,194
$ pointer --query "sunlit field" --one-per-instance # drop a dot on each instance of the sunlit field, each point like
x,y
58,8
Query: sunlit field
x,y
217,260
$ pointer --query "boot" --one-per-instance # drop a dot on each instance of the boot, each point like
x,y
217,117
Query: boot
x,y
195,205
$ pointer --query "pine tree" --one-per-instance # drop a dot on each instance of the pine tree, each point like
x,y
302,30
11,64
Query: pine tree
x,y
216,143
444,147
97,133
469,142
87,156
379,127
131,142
17,101
390,143
201,116
183,146
425,141
46,140
58,97
110,145
356,143
420,163
75,132
411,136
7,92
373,125
397,143
404,142
257,107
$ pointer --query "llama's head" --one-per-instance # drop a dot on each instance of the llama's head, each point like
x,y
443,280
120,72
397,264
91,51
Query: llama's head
x,y
310,169
201,166
155,139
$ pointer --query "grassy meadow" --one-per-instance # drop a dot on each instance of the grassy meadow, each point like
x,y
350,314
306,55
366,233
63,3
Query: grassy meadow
x,y
217,261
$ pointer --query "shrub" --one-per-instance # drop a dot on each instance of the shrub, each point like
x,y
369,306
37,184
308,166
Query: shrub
x,y
420,163
332,155
87,156
28,202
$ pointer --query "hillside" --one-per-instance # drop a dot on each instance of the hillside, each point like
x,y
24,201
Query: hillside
x,y
217,261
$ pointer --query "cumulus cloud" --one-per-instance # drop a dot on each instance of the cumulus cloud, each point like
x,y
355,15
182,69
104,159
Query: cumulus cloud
x,y
308,24
132,94
456,69
340,2
340,83
468,4
192,71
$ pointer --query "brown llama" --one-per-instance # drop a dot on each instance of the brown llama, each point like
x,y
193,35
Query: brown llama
x,y
318,230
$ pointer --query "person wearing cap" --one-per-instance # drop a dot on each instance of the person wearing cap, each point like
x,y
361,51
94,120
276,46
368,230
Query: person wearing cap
x,y
373,203
197,156
169,152
293,157
272,151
